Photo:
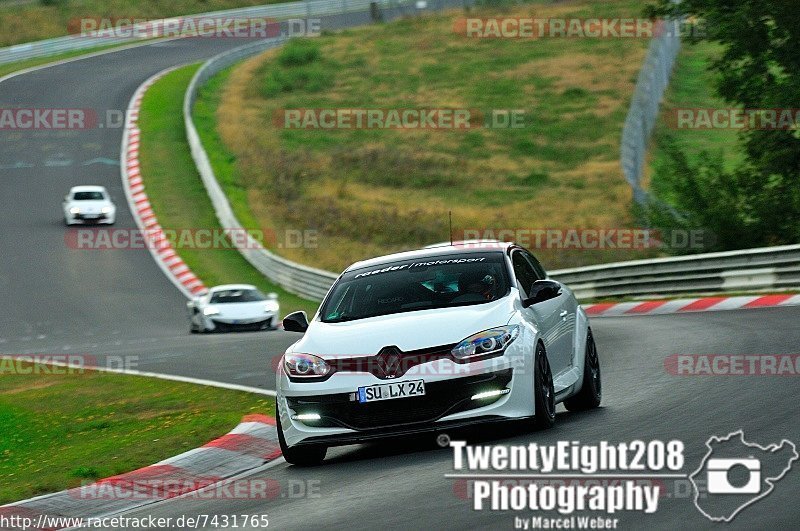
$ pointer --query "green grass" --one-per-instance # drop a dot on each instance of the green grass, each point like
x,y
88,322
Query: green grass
x,y
223,162
692,86
178,195
60,430
368,192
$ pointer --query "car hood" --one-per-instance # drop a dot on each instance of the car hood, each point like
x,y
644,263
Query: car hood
x,y
240,310
407,331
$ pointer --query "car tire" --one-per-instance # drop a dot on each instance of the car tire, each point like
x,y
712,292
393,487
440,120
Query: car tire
x,y
543,391
591,391
300,456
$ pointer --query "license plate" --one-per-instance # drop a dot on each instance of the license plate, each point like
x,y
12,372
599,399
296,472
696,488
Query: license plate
x,y
91,216
389,391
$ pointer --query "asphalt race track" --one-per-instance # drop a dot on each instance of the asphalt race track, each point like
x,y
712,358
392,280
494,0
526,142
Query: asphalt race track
x,y
402,484
99,302
119,303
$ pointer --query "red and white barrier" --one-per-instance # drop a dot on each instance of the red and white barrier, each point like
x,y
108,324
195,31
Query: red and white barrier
x,y
164,254
705,304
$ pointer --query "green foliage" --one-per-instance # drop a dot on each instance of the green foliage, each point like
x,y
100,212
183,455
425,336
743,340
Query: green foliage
x,y
299,68
758,203
298,52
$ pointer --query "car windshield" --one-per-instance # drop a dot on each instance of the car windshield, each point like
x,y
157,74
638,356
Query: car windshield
x,y
237,295
88,196
422,284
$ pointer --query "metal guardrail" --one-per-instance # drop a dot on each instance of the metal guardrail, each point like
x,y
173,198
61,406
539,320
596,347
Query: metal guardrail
x,y
296,278
746,270
140,32
643,113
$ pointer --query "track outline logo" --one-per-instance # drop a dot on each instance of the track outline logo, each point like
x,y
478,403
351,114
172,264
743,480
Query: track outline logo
x,y
770,481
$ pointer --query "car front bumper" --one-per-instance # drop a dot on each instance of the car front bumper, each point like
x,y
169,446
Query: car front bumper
x,y
225,324
447,402
93,219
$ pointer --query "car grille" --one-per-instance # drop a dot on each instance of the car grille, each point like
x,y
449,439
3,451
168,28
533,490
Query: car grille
x,y
441,399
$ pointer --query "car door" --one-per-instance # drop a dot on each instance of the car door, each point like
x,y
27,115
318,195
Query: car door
x,y
567,308
545,315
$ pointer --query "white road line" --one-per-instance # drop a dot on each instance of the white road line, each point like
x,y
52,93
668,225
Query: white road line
x,y
159,376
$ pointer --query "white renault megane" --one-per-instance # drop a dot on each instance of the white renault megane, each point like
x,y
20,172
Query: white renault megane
x,y
442,337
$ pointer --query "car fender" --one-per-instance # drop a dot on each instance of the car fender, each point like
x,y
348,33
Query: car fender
x,y
579,347
522,353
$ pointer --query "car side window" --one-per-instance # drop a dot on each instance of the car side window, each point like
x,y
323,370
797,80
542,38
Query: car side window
x,y
541,274
524,272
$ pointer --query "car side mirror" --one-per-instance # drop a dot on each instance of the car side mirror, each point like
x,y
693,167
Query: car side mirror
x,y
296,322
542,290
272,296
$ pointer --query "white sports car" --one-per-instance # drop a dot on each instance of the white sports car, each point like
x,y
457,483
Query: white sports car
x,y
89,204
233,307
428,340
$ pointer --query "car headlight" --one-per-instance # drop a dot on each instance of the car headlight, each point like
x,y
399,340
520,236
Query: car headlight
x,y
107,210
271,306
305,366
74,210
486,344
210,311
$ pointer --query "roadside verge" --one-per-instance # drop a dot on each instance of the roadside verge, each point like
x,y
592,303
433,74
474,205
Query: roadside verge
x,y
202,472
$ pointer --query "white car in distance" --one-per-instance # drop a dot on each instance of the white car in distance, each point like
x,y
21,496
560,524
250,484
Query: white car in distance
x,y
233,307
89,204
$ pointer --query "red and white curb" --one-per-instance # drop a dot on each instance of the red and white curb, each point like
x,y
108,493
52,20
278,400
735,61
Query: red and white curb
x,y
705,304
161,249
204,473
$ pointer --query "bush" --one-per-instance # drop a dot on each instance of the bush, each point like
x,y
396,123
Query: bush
x,y
298,52
299,69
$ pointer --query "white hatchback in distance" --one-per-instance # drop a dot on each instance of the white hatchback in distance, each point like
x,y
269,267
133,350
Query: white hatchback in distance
x,y
430,340
233,307
89,204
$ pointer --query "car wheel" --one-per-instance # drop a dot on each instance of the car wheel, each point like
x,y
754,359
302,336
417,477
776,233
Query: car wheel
x,y
591,392
544,392
301,456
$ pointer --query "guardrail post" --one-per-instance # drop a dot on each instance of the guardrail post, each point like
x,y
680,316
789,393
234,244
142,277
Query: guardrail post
x,y
375,12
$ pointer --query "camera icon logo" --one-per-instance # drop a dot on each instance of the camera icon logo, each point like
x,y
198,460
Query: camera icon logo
x,y
719,471
736,473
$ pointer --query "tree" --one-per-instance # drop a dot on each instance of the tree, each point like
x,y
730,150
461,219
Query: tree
x,y
759,68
